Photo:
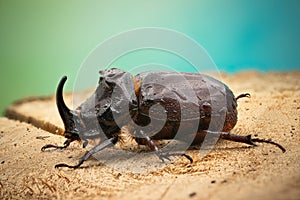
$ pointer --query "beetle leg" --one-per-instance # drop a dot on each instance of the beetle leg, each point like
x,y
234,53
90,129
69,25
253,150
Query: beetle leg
x,y
146,140
85,143
243,95
66,144
245,139
106,143
270,142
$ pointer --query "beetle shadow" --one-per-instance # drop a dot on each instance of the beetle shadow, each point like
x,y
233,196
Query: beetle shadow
x,y
233,148
137,159
128,161
144,161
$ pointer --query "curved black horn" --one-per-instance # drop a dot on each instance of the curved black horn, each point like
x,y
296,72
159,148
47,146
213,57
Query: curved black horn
x,y
64,111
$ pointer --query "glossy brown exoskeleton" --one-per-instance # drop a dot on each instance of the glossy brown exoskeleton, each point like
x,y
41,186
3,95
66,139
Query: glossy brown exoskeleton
x,y
191,106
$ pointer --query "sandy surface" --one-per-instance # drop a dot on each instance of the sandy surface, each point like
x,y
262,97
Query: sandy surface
x,y
230,171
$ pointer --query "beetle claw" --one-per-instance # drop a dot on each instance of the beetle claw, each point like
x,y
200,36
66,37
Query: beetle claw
x,y
70,166
65,165
252,141
66,144
270,142
85,143
47,146
243,95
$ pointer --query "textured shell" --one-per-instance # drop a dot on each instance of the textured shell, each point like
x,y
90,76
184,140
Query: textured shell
x,y
112,98
185,96
194,100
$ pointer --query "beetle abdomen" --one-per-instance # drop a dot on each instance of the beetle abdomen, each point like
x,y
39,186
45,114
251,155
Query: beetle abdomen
x,y
189,99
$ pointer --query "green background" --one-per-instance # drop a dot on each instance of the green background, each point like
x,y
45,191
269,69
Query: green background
x,y
42,40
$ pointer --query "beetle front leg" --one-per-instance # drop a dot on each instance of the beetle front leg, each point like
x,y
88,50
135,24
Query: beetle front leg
x,y
146,140
99,147
66,144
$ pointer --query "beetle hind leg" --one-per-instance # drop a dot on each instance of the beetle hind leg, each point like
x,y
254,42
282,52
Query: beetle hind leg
x,y
243,95
270,142
245,139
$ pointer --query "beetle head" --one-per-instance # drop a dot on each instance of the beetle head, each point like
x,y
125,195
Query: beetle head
x,y
110,106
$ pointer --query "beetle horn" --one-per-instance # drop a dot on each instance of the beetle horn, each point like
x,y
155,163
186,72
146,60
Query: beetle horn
x,y
65,113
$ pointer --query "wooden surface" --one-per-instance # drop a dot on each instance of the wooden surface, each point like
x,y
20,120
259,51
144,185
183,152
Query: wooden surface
x,y
230,171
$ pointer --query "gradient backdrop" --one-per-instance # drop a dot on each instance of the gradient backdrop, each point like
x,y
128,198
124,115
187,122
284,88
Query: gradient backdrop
x,y
42,40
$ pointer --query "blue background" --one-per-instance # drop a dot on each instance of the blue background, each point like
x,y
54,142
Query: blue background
x,y
42,40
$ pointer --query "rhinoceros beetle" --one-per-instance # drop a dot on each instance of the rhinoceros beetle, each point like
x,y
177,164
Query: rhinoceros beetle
x,y
121,99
